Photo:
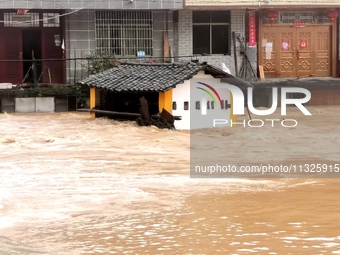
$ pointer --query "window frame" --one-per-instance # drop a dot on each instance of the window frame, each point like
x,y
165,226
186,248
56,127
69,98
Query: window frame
x,y
212,24
124,32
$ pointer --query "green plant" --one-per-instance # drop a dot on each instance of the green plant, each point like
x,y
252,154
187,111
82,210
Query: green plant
x,y
101,62
82,93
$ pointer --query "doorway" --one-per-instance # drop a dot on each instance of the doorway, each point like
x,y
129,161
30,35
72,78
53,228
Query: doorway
x,y
31,47
291,52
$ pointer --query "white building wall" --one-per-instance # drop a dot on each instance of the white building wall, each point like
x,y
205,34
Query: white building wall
x,y
193,118
181,94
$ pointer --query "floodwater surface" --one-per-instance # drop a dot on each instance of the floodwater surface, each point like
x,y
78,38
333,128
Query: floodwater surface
x,y
74,185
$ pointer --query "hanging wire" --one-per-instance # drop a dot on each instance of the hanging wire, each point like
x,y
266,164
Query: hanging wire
x,y
118,58
60,15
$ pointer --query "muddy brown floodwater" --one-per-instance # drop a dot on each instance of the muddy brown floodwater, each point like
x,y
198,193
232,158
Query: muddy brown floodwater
x,y
74,185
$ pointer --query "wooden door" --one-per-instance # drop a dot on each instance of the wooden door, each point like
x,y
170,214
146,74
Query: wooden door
x,y
52,52
286,52
296,52
304,45
323,48
11,71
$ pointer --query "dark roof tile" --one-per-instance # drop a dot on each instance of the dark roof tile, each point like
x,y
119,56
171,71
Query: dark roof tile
x,y
153,77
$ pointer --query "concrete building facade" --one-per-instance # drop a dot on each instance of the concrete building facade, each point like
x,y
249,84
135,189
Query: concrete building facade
x,y
286,39
68,32
283,38
186,44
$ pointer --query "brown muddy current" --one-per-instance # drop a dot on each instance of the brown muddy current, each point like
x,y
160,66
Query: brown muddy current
x,y
74,185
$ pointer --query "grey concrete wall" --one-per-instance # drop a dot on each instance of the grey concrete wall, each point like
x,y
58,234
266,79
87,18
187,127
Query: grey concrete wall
x,y
252,56
80,42
34,104
162,24
90,4
185,43
25,104
7,105
44,104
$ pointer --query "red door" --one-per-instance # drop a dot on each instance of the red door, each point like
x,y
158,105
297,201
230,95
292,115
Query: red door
x,y
52,51
11,49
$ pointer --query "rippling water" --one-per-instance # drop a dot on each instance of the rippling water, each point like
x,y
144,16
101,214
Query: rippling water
x,y
74,185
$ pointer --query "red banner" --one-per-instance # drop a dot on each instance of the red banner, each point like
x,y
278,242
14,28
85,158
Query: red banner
x,y
299,23
252,29
22,11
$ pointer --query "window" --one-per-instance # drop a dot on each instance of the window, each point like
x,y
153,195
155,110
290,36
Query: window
x,y
289,17
26,20
51,20
124,33
198,105
227,105
211,32
186,105
31,19
174,106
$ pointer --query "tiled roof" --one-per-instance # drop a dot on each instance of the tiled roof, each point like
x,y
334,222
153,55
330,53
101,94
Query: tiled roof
x,y
132,77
